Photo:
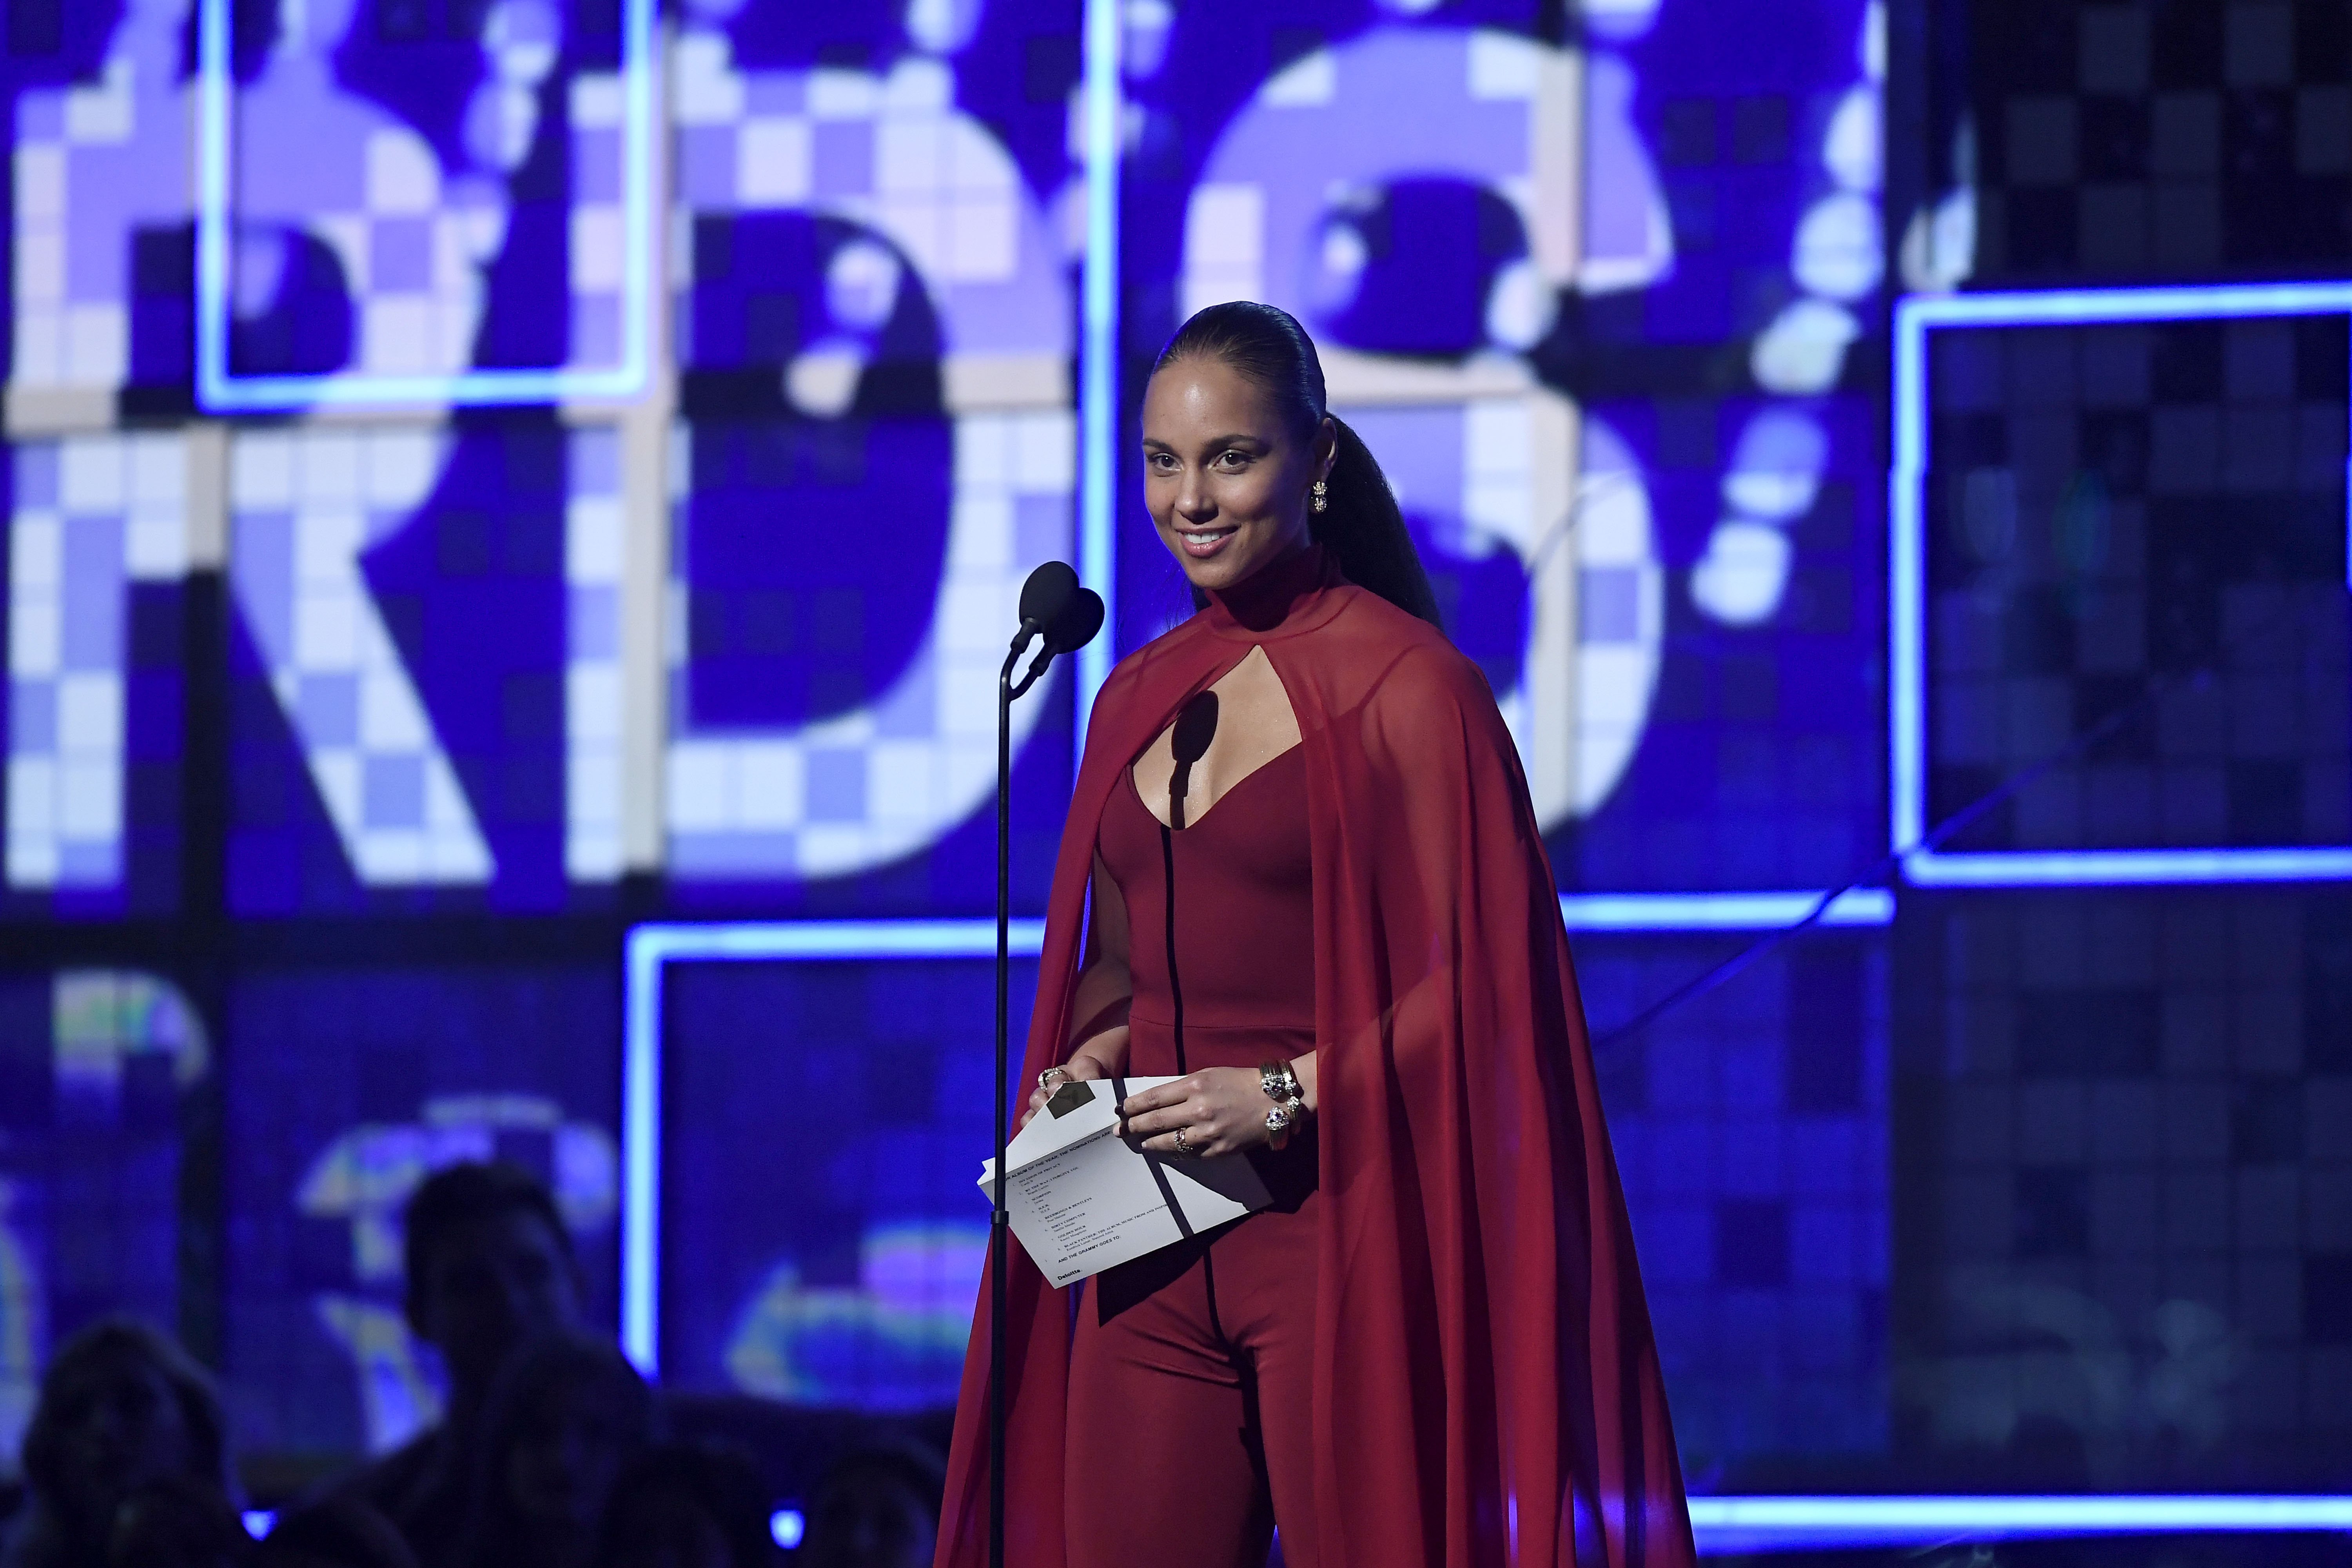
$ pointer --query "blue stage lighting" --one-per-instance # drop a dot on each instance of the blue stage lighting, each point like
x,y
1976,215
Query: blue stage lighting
x,y
1914,318
1098,406
1727,1525
1723,912
220,392
650,948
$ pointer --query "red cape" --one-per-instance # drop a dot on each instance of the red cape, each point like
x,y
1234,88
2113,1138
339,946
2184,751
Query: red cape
x,y
1487,1390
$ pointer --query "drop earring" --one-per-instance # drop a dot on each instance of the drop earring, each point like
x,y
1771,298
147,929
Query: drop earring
x,y
1322,496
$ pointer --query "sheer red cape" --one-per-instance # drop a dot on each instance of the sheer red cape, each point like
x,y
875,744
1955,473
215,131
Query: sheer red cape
x,y
1487,1389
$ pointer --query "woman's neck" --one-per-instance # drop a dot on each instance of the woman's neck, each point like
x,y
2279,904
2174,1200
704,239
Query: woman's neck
x,y
1269,595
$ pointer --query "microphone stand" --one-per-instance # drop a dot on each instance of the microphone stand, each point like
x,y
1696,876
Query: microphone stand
x,y
1000,1221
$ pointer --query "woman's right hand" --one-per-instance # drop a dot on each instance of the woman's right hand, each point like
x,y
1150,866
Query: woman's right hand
x,y
1082,1065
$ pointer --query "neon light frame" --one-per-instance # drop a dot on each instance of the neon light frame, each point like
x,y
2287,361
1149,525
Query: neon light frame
x,y
1743,1524
649,949
1914,318
1723,1524
1098,406
219,392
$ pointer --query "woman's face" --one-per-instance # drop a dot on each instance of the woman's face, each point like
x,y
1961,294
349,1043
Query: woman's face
x,y
1226,478
123,1428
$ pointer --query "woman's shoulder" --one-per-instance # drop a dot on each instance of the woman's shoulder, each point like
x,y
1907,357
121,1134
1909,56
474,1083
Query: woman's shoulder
x,y
1138,667
1132,678
1416,662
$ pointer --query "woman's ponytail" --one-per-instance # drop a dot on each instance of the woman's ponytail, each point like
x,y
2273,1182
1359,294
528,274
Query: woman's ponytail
x,y
1361,524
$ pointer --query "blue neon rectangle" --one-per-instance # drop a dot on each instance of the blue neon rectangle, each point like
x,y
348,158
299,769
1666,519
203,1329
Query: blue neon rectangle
x,y
1914,318
220,392
650,949
1738,1524
1723,912
1098,400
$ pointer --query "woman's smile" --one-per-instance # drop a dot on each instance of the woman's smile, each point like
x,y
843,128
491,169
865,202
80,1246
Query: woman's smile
x,y
1203,543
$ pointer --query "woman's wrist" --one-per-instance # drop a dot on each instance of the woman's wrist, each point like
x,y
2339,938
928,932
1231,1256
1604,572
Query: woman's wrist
x,y
1105,1053
1303,1070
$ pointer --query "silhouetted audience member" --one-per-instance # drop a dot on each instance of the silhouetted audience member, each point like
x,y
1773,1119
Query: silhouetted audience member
x,y
489,1265
340,1532
682,1506
127,1437
875,1507
566,1416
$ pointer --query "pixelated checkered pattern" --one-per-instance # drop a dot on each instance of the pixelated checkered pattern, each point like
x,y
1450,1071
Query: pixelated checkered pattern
x,y
593,530
2143,141
861,1295
599,228
1751,1130
1473,468
2114,505
2140,1206
93,164
91,515
889,152
341,1086
933,179
371,190
869,785
1720,206
411,242
304,504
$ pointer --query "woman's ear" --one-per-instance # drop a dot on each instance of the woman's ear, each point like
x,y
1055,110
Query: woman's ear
x,y
1327,448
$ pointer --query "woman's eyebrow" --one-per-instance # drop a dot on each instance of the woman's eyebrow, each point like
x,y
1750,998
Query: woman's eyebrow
x,y
1215,443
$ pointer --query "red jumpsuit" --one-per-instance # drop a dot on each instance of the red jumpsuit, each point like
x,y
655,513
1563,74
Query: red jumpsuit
x,y
1192,1379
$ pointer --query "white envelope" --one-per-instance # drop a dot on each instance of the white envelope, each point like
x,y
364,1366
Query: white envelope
x,y
1082,1199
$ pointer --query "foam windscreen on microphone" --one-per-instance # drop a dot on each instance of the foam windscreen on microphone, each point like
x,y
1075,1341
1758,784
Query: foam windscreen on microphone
x,y
1045,596
1076,627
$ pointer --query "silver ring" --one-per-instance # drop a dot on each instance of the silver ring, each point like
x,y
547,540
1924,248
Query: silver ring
x,y
1181,1148
1046,1079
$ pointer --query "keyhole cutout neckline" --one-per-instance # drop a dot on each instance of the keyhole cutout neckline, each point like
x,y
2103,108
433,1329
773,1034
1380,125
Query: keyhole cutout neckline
x,y
1246,718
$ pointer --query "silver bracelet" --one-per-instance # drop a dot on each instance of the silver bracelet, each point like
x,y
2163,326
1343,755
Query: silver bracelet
x,y
1281,1085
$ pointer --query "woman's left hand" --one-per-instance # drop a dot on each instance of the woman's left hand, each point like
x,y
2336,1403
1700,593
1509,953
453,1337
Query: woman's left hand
x,y
1221,1110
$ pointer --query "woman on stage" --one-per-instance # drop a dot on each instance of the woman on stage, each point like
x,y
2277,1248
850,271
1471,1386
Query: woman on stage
x,y
1301,871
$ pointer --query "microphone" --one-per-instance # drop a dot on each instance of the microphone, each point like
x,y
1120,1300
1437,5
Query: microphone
x,y
1076,627
1044,599
1068,615
1053,603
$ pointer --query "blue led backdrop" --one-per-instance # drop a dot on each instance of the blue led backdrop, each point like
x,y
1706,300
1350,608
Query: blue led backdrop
x,y
482,475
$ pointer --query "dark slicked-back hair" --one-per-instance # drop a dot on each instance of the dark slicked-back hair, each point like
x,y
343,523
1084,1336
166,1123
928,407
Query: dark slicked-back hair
x,y
1361,526
469,1190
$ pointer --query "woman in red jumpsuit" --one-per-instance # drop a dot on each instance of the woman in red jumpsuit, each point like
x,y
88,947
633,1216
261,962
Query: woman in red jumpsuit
x,y
1301,872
